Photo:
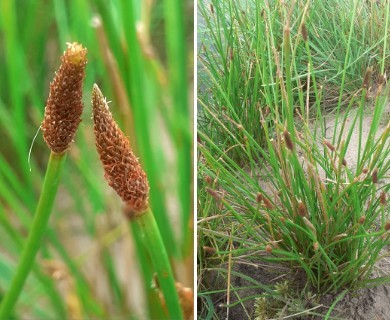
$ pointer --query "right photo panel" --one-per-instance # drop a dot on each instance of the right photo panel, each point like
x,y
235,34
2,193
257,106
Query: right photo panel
x,y
293,158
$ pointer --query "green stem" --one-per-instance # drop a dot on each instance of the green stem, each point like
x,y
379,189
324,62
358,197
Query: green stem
x,y
145,264
41,218
154,243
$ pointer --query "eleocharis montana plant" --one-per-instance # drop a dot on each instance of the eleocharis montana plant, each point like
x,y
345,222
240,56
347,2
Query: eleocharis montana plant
x,y
281,177
62,117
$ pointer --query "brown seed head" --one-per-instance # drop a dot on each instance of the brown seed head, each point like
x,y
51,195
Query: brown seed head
x,y
121,168
362,219
208,180
387,225
304,32
367,78
375,176
64,106
287,139
268,248
208,250
214,194
382,198
260,198
302,211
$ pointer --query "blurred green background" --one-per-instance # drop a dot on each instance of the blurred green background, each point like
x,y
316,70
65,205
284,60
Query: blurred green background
x,y
140,53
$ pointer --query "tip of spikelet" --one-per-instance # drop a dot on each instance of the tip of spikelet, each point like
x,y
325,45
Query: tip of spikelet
x,y
76,53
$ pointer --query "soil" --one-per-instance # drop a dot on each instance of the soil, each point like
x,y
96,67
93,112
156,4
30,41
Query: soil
x,y
371,303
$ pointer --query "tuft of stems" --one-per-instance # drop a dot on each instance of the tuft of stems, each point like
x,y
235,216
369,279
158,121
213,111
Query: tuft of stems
x,y
327,215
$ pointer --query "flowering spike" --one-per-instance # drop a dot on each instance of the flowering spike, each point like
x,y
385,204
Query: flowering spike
x,y
304,32
375,175
122,169
64,106
288,140
302,211
367,78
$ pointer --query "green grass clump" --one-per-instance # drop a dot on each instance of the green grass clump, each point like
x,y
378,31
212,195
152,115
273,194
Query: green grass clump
x,y
240,44
273,173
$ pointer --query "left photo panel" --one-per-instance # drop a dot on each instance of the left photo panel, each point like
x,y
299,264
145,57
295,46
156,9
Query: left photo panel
x,y
96,159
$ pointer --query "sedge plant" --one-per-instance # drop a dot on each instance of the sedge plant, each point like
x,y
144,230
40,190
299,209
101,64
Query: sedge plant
x,y
62,117
312,191
237,66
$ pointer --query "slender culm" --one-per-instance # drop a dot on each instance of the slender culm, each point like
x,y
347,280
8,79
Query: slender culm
x,y
121,168
260,198
64,105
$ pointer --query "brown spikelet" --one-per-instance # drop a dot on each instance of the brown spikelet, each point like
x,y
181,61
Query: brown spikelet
x,y
64,106
268,248
214,194
211,8
304,32
302,211
208,250
382,198
362,219
262,199
367,78
329,145
375,176
387,225
208,179
344,162
121,168
287,139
